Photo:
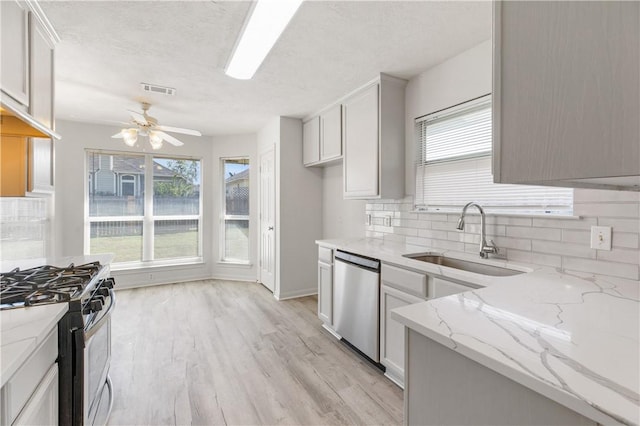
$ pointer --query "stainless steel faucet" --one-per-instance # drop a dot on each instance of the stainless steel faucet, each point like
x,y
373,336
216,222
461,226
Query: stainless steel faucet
x,y
485,248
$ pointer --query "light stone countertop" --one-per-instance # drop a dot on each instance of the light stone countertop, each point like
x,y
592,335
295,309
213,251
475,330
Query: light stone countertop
x,y
22,330
572,338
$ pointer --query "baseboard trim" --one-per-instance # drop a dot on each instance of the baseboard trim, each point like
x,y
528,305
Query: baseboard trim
x,y
296,294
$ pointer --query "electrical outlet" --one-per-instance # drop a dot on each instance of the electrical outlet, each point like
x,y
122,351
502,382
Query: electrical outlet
x,y
387,221
601,238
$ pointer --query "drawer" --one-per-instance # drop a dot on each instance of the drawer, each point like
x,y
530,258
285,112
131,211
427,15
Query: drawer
x,y
442,288
325,255
408,281
17,391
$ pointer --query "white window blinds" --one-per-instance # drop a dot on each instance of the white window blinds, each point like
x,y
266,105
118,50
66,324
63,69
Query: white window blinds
x,y
453,166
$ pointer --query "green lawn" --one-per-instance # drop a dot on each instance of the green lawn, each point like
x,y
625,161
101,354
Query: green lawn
x,y
172,245
129,248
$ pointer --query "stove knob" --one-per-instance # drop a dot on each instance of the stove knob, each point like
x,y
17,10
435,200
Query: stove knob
x,y
103,291
96,305
108,282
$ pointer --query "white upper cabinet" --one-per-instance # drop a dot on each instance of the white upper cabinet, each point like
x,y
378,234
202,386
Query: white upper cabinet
x,y
311,141
567,93
322,138
14,77
331,134
41,76
373,129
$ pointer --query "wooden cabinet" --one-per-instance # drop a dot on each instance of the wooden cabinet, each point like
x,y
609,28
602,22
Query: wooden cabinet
x,y
566,93
373,125
325,286
322,138
400,287
14,76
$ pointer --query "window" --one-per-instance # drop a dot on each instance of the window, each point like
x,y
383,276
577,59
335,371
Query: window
x,y
453,166
137,228
235,221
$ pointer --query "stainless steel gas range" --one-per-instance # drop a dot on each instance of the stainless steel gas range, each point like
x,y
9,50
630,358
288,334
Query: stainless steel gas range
x,y
84,333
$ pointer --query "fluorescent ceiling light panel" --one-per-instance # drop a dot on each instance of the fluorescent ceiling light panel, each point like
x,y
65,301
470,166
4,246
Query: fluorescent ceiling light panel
x,y
268,20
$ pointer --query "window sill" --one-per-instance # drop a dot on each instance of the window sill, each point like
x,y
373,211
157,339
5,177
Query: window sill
x,y
551,215
235,264
136,266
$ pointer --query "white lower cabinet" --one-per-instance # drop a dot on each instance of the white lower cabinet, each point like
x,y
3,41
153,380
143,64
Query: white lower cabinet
x,y
325,293
399,287
392,345
42,407
30,396
325,286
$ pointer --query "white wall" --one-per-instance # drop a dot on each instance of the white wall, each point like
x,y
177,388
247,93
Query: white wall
x,y
232,147
70,187
340,218
298,209
556,242
459,79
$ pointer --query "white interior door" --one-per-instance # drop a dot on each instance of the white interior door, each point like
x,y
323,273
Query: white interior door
x,y
267,219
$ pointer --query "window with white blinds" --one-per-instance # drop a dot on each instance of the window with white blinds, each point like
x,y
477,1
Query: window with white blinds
x,y
453,166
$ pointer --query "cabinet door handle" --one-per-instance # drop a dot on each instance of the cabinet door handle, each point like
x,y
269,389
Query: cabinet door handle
x,y
270,228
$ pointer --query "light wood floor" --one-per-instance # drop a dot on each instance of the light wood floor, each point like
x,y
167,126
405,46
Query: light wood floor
x,y
219,352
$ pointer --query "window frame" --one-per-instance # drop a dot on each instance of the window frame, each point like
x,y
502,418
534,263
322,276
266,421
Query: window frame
x,y
224,217
443,168
148,218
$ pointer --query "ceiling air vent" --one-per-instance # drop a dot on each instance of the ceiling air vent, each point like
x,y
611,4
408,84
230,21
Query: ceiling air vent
x,y
158,89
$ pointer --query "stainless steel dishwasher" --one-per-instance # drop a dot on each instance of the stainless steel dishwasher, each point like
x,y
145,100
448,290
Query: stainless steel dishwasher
x,y
356,302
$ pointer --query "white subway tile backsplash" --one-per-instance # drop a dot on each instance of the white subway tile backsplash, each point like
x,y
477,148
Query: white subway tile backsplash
x,y
582,223
626,240
604,196
550,241
621,225
576,236
514,243
620,255
631,210
433,234
562,248
534,233
622,270
554,261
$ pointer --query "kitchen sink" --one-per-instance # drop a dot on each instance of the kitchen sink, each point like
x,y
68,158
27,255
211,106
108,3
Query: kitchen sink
x,y
463,265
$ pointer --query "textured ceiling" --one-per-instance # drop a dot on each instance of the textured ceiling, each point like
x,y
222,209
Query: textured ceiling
x,y
328,49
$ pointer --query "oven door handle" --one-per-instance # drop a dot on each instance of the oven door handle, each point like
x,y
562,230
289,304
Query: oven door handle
x,y
95,326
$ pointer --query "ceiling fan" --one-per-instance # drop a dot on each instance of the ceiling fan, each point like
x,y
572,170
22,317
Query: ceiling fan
x,y
145,125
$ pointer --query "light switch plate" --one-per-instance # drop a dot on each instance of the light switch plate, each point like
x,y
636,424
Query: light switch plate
x,y
387,221
601,238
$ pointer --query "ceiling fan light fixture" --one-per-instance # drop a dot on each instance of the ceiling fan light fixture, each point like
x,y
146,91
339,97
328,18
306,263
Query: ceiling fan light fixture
x,y
130,136
267,21
155,140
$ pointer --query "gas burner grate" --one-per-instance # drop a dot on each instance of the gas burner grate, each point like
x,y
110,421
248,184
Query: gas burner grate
x,y
45,284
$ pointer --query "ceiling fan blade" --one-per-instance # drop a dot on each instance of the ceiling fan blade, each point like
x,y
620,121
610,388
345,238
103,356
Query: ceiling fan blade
x,y
179,130
137,117
167,137
118,135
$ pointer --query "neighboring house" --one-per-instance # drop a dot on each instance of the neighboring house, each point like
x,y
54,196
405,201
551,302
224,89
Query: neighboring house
x,y
114,175
237,193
